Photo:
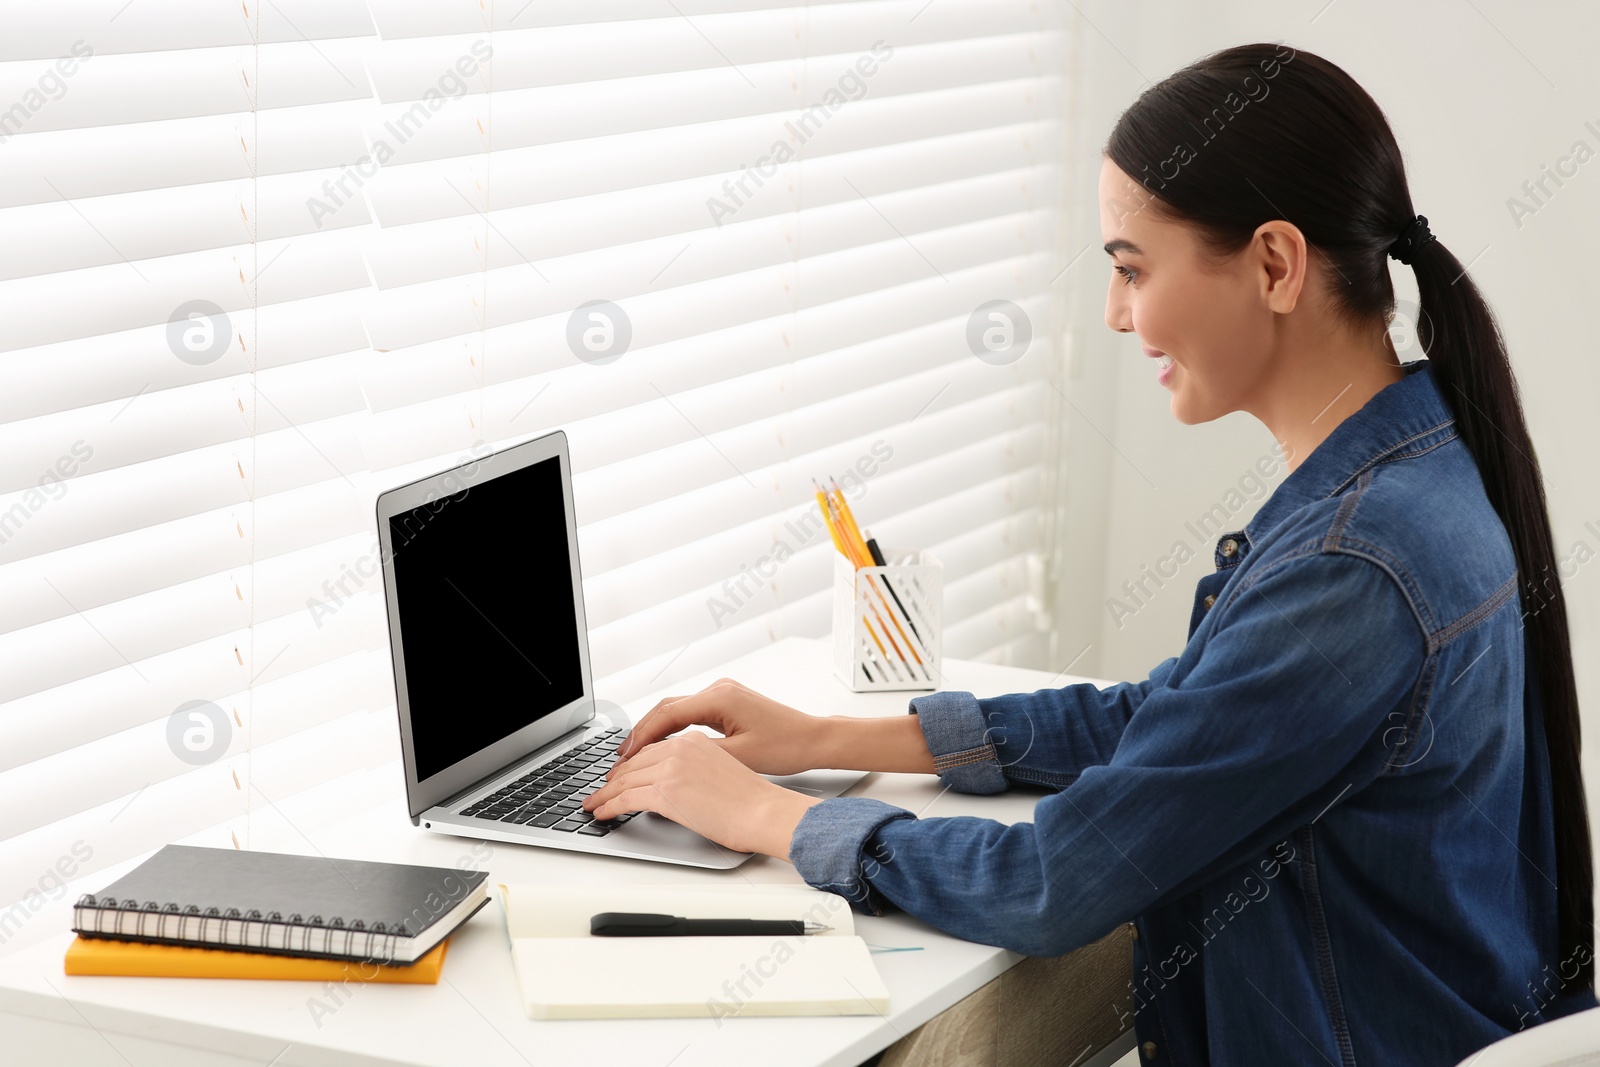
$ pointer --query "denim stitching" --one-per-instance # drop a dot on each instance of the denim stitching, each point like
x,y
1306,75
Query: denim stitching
x,y
1439,636
1335,540
1393,454
1049,778
1303,551
1347,508
1319,933
1314,548
1386,561
1309,548
964,758
1421,698
1480,613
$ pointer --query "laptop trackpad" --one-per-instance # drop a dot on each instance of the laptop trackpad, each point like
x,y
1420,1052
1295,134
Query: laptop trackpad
x,y
822,784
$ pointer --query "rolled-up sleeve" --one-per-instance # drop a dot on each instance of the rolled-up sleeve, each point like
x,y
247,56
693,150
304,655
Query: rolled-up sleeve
x,y
1047,737
1278,716
831,847
962,747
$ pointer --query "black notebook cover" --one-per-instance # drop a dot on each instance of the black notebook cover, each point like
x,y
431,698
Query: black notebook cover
x,y
247,896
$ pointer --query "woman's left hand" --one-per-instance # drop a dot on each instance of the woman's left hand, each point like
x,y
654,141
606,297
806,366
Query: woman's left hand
x,y
693,781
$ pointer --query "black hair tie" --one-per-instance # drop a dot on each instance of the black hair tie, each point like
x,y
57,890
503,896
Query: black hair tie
x,y
1411,239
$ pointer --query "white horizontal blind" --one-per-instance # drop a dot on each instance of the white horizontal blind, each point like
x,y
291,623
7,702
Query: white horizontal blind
x,y
391,223
173,489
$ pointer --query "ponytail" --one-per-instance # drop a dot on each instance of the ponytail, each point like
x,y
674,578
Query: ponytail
x,y
1311,146
1468,355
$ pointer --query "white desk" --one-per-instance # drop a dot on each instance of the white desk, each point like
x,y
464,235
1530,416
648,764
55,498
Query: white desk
x,y
474,1015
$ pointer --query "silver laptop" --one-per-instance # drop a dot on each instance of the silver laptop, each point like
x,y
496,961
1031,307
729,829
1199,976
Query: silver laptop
x,y
499,729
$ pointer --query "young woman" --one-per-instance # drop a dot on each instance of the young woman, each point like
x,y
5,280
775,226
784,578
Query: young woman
x,y
1347,820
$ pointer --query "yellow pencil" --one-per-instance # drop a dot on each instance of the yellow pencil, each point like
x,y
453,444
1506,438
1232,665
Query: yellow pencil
x,y
847,539
879,643
825,505
852,531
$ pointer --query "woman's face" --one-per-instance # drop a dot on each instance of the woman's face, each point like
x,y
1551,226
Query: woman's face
x,y
1207,316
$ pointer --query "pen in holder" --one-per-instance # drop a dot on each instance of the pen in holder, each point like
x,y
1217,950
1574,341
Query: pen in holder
x,y
886,622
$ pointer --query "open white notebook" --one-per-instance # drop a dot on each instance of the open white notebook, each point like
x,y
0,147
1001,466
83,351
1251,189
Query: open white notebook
x,y
566,973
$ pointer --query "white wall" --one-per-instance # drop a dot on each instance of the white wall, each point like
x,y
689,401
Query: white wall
x,y
1481,96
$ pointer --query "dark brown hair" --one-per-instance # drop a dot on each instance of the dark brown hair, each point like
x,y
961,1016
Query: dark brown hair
x,y
1263,132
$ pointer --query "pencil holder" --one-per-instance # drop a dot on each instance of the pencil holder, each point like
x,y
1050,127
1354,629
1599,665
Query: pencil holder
x,y
886,622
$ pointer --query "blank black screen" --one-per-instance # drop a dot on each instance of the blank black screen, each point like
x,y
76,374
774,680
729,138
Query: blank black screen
x,y
488,626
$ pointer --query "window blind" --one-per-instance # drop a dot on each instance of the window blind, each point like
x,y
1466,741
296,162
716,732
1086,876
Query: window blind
x,y
265,263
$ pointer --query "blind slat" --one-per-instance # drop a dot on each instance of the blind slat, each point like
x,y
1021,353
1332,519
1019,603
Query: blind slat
x,y
389,213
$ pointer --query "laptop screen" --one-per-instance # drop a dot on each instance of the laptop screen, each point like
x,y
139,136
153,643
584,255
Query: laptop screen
x,y
483,587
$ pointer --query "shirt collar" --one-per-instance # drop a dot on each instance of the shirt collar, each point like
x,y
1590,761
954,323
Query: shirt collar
x,y
1409,415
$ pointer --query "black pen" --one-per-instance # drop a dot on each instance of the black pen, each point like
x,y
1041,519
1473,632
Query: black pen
x,y
877,559
635,924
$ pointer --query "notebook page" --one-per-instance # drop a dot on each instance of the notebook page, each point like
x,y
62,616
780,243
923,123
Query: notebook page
x,y
565,910
566,973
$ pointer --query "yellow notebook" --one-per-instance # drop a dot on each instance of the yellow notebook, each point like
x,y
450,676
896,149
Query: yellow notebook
x,y
98,955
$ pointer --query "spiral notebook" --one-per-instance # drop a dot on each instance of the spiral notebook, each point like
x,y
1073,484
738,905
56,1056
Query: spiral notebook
x,y
271,902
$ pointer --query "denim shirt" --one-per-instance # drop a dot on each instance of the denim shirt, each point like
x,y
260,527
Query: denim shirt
x,y
1328,818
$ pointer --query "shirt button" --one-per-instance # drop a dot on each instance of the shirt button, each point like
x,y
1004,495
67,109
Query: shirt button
x,y
1209,600
1229,547
1149,1050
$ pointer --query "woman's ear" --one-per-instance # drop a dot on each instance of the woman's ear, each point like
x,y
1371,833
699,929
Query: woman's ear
x,y
1280,252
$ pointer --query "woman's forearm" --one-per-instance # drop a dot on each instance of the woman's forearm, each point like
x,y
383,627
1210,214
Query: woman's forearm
x,y
892,743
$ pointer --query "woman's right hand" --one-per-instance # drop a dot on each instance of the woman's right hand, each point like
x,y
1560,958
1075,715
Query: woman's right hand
x,y
764,735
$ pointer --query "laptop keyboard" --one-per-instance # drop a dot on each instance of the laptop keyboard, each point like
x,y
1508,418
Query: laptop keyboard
x,y
551,796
